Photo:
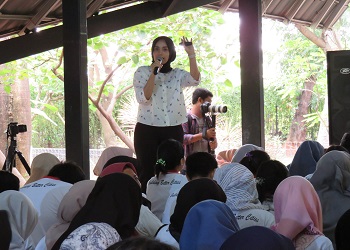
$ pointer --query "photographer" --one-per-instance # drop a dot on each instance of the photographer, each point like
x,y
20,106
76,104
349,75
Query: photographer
x,y
198,137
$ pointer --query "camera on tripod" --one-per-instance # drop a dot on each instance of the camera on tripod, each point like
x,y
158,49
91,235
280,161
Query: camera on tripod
x,y
207,107
13,129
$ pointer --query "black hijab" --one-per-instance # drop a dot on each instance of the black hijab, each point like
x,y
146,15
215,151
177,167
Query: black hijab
x,y
115,200
190,194
172,53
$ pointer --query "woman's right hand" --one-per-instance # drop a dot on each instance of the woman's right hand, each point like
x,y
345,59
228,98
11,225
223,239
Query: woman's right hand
x,y
156,64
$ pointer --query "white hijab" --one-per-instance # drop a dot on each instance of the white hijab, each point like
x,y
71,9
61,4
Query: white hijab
x,y
22,216
241,152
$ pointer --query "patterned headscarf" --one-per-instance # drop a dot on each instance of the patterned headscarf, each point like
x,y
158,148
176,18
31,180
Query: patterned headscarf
x,y
239,186
91,236
242,151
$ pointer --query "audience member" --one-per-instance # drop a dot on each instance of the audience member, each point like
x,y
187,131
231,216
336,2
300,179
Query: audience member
x,y
332,183
193,192
243,150
239,186
41,165
257,238
109,153
207,226
8,181
336,147
199,136
225,157
199,165
69,206
345,141
298,214
342,238
6,234
140,243
22,217
167,181
115,200
268,176
52,187
148,223
253,159
93,235
306,158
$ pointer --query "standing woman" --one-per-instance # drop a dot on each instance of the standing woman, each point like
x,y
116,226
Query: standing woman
x,y
162,110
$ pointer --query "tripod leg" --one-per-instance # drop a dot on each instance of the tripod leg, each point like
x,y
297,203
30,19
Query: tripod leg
x,y
25,164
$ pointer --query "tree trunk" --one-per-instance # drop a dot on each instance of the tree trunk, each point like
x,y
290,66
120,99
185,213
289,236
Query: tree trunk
x,y
297,132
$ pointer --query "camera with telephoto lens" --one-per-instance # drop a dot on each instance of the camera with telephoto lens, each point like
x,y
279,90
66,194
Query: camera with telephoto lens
x,y
13,128
207,107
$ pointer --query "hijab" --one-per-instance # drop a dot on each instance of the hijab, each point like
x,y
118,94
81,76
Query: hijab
x,y
242,151
306,158
115,200
109,153
22,217
190,194
172,53
342,239
331,181
70,205
41,165
263,239
208,224
91,236
225,157
297,210
117,168
239,186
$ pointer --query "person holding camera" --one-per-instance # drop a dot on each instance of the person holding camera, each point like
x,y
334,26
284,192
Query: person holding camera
x,y
199,136
162,110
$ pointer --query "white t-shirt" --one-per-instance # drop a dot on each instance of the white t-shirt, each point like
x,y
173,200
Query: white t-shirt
x,y
165,236
320,243
160,189
254,217
148,223
36,192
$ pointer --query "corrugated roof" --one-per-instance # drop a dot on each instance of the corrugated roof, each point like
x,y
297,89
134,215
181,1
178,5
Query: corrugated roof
x,y
19,17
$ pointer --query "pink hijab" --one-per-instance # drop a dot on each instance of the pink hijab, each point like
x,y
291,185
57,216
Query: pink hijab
x,y
117,168
297,209
70,205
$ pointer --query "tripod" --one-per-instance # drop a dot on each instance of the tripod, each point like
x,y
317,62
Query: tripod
x,y
10,161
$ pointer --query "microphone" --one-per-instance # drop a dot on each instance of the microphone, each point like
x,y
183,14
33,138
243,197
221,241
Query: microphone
x,y
157,69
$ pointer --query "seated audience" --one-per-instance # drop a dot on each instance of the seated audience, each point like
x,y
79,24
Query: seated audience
x,y
115,200
167,181
239,186
109,153
69,206
140,243
269,175
22,217
306,158
193,192
59,180
335,147
243,150
41,165
331,181
207,226
342,239
148,223
258,238
8,181
253,159
225,157
199,165
93,235
298,214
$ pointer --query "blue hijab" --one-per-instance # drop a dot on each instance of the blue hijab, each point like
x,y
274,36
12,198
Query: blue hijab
x,y
306,158
257,237
208,224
